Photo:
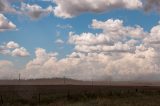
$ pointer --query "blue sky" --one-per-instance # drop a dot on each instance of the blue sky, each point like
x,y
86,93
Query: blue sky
x,y
43,32
50,25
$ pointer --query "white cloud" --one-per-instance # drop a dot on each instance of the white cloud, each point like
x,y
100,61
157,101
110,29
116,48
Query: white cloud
x,y
70,8
21,52
96,66
43,66
5,7
116,28
89,39
12,45
7,70
154,37
5,24
117,47
115,37
93,66
4,50
59,41
126,58
41,58
35,11
12,48
64,26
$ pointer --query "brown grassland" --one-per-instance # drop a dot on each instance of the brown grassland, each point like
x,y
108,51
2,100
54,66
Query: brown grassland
x,y
68,92
79,95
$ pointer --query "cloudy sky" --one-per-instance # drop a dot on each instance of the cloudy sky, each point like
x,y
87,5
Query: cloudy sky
x,y
115,40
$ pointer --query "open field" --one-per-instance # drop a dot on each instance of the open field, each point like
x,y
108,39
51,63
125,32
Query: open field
x,y
79,95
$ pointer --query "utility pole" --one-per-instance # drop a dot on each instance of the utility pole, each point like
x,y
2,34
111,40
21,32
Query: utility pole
x,y
92,82
19,76
64,80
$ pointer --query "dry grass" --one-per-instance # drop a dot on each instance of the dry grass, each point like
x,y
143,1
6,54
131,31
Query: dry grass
x,y
74,95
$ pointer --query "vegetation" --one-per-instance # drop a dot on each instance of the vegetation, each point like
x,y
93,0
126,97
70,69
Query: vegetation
x,y
74,95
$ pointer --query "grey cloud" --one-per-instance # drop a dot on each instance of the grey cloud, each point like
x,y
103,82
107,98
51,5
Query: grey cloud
x,y
35,11
152,5
70,8
5,24
5,7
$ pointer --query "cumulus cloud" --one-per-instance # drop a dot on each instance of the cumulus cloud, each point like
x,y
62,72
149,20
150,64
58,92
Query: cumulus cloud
x,y
152,5
93,66
21,52
132,59
41,57
59,41
116,27
12,45
7,70
14,49
124,51
70,8
118,52
5,7
154,37
35,11
115,37
5,24
113,54
42,66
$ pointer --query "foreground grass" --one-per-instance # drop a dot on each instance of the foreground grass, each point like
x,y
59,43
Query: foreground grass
x,y
79,96
107,101
140,101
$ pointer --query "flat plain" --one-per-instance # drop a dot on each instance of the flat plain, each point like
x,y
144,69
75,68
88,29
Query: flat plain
x,y
58,92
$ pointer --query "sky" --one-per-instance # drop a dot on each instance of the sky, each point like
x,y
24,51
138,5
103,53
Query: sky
x,y
115,40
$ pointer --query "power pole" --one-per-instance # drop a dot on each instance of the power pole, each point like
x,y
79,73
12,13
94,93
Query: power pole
x,y
92,83
19,76
64,80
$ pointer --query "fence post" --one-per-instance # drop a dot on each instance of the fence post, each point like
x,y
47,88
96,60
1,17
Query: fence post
x,y
39,98
1,99
68,94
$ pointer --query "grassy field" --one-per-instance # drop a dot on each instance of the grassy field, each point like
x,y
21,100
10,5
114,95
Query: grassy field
x,y
78,95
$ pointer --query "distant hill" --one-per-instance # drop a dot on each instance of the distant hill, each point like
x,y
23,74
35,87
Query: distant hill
x,y
61,81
